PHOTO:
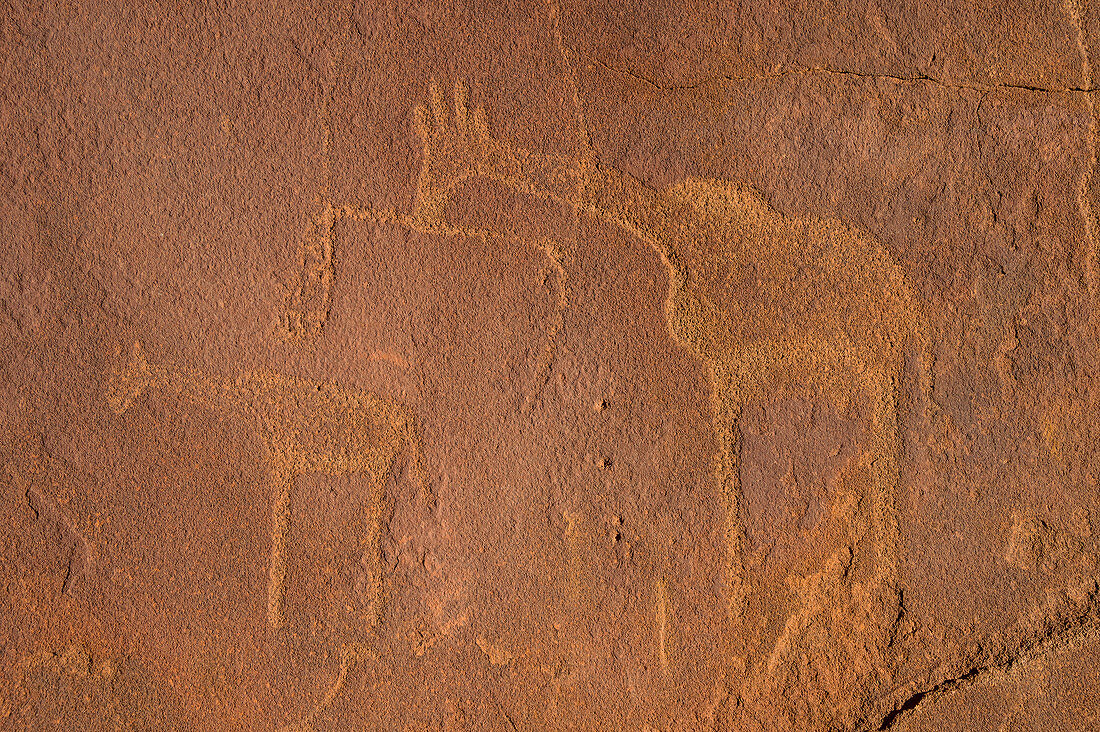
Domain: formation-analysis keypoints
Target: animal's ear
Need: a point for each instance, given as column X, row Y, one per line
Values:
column 126, row 384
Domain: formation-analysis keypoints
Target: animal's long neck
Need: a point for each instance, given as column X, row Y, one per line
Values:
column 552, row 177
column 628, row 202
column 582, row 184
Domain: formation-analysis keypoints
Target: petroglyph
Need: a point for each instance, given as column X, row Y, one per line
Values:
column 79, row 689
column 309, row 303
column 55, row 683
column 497, row 654
column 584, row 142
column 308, row 427
column 820, row 307
column 73, row 661
column 1034, row 545
column 1084, row 186
column 545, row 364
column 457, row 146
column 307, row 307
column 431, row 637
column 310, row 294
column 574, row 540
column 833, row 642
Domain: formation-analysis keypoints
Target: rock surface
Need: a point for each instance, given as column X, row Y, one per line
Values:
column 463, row 366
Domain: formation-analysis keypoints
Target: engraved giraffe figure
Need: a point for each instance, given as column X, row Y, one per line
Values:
column 818, row 305
column 307, row 427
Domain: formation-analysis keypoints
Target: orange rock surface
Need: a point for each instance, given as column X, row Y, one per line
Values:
column 544, row 365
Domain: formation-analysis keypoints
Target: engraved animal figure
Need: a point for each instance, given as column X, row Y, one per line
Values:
column 309, row 297
column 765, row 301
column 308, row 427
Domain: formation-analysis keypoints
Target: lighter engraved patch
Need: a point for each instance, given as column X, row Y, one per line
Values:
column 307, row 427
column 822, row 308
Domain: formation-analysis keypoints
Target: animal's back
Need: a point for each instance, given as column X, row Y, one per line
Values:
column 324, row 428
column 758, row 289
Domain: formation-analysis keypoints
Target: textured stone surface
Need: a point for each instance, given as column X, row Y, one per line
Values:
column 647, row 366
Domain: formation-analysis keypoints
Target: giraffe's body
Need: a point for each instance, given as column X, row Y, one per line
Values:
column 771, row 303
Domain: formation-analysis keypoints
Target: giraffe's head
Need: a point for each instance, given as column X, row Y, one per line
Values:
column 126, row 384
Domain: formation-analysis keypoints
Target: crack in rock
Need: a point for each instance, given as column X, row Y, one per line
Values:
column 810, row 71
column 1043, row 643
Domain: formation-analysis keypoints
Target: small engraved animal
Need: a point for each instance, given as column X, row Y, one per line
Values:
column 308, row 427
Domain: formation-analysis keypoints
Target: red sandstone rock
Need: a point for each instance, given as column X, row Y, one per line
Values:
column 638, row 366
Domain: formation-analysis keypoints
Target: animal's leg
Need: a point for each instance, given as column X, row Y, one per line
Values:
column 885, row 449
column 282, row 479
column 411, row 438
column 927, row 378
column 727, row 418
column 127, row 384
column 370, row 585
column 348, row 653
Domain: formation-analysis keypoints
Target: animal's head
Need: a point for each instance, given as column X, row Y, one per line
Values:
column 126, row 384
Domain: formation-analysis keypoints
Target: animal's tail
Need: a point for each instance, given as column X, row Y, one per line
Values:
column 126, row 384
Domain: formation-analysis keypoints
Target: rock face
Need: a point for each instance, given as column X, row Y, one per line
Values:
column 469, row 366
